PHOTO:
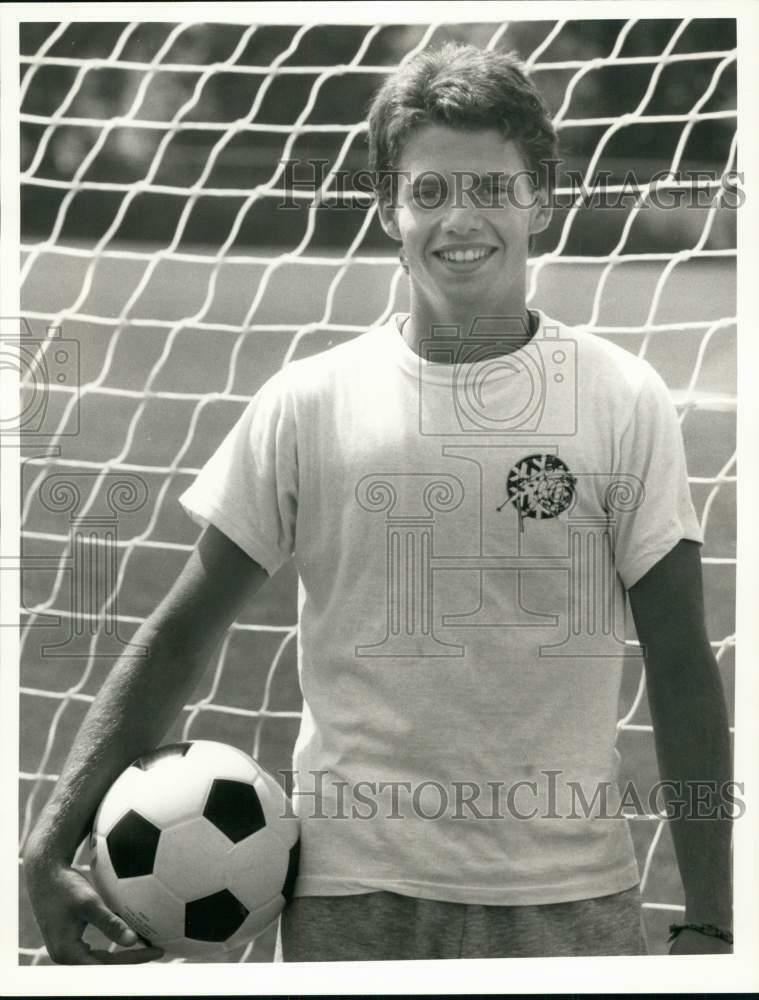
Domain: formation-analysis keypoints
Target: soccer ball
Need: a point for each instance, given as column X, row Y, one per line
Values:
column 195, row 846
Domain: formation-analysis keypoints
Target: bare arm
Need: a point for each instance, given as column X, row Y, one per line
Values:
column 691, row 733
column 137, row 703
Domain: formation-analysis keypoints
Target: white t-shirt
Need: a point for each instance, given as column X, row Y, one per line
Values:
column 462, row 534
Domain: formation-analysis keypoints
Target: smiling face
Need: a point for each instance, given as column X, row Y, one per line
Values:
column 466, row 236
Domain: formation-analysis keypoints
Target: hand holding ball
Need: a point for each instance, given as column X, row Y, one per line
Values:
column 195, row 845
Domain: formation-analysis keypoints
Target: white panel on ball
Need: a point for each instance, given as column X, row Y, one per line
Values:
column 218, row 760
column 256, row 868
column 125, row 790
column 151, row 909
column 158, row 799
column 192, row 858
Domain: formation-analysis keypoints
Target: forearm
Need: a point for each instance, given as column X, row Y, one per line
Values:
column 693, row 749
column 136, row 705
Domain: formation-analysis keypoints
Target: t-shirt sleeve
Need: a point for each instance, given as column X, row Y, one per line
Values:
column 248, row 489
column 657, row 511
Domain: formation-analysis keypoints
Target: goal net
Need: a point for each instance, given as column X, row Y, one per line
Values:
column 189, row 227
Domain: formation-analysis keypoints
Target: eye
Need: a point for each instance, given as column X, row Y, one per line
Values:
column 495, row 188
column 430, row 192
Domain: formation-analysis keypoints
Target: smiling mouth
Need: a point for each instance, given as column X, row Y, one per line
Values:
column 461, row 256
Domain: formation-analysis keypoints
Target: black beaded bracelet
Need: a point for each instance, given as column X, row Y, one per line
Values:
column 708, row 929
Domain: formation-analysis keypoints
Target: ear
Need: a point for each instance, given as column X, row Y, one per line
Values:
column 542, row 212
column 388, row 214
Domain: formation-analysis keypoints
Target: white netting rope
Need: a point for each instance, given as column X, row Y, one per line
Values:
column 107, row 250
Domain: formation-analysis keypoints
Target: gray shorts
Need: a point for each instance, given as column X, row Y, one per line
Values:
column 378, row 926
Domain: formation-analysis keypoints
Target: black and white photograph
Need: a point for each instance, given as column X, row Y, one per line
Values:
column 373, row 383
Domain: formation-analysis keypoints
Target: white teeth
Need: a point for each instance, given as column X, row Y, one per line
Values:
column 464, row 255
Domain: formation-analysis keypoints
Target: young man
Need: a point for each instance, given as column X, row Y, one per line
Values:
column 468, row 492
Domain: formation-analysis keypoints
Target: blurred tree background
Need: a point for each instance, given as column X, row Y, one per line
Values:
column 120, row 81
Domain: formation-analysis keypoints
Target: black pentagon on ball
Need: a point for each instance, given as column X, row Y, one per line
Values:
column 214, row 918
column 132, row 845
column 149, row 760
column 234, row 807
column 292, row 871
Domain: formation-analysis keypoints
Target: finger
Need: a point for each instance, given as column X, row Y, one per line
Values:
column 73, row 953
column 135, row 956
column 114, row 928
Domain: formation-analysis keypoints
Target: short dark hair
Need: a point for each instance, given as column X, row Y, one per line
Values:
column 464, row 87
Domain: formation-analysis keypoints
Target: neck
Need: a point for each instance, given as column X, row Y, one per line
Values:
column 480, row 336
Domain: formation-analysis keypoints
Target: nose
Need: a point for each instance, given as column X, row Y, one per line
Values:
column 461, row 219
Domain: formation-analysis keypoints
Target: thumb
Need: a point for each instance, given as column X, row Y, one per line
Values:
column 127, row 936
column 114, row 928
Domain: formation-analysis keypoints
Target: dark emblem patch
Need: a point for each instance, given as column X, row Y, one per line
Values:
column 540, row 486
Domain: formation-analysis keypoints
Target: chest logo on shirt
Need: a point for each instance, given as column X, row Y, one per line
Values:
column 540, row 486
